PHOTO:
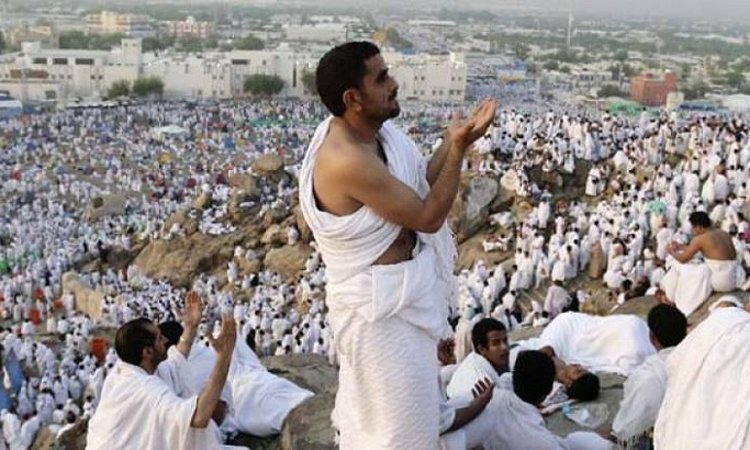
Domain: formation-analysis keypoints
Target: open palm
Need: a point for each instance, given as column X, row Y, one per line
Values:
column 465, row 131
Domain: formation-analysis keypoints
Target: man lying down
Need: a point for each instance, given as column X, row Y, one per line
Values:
column 579, row 344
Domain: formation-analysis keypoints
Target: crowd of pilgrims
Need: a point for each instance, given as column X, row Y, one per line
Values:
column 55, row 165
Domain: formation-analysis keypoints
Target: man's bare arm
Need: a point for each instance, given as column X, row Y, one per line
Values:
column 209, row 395
column 687, row 253
column 438, row 160
column 369, row 182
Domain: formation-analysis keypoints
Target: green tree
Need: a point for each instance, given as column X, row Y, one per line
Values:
column 266, row 85
column 2, row 42
column 120, row 88
column 621, row 55
column 551, row 65
column 735, row 79
column 249, row 42
column 308, row 81
column 521, row 50
column 565, row 69
column 695, row 91
column 150, row 44
column 74, row 39
column 532, row 68
column 191, row 44
column 628, row 70
column 148, row 87
column 611, row 91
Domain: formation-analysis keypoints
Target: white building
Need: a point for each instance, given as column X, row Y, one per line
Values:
column 429, row 77
column 38, row 74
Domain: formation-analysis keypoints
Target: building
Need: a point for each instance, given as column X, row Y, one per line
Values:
column 190, row 27
column 440, row 78
column 651, row 90
column 39, row 74
column 130, row 25
column 319, row 32
column 36, row 74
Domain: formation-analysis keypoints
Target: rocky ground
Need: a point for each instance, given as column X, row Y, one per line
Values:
column 308, row 427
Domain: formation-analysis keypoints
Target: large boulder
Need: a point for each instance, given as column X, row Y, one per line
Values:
column 87, row 300
column 244, row 182
column 274, row 235
column 471, row 209
column 268, row 163
column 179, row 260
column 289, row 260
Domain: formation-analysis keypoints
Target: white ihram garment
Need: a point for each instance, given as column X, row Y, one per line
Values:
column 643, row 393
column 386, row 319
column 139, row 411
column 689, row 285
column 617, row 343
column 705, row 406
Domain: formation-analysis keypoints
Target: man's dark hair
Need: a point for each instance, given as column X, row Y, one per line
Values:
column 482, row 329
column 342, row 68
column 172, row 330
column 668, row 324
column 585, row 389
column 533, row 376
column 132, row 338
column 700, row 219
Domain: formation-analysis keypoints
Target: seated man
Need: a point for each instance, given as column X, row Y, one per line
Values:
column 261, row 400
column 705, row 405
column 617, row 343
column 139, row 411
column 689, row 285
column 645, row 387
column 520, row 425
column 488, row 360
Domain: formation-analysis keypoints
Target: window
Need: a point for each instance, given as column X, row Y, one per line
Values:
column 60, row 61
column 84, row 61
column 40, row 61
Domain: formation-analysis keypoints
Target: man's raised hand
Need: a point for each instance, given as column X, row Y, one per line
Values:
column 224, row 343
column 482, row 391
column 464, row 132
column 192, row 314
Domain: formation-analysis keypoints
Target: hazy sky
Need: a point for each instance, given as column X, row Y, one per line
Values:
column 696, row 8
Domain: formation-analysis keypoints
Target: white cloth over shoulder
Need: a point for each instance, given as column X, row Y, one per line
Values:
column 384, row 318
column 705, row 405
column 520, row 426
column 472, row 369
column 643, row 393
column 139, row 411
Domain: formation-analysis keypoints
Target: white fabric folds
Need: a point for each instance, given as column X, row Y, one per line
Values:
column 385, row 319
column 139, row 411
column 706, row 401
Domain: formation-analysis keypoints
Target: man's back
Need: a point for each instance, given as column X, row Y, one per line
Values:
column 717, row 244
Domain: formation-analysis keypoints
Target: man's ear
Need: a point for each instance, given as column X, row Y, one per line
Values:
column 147, row 353
column 352, row 99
